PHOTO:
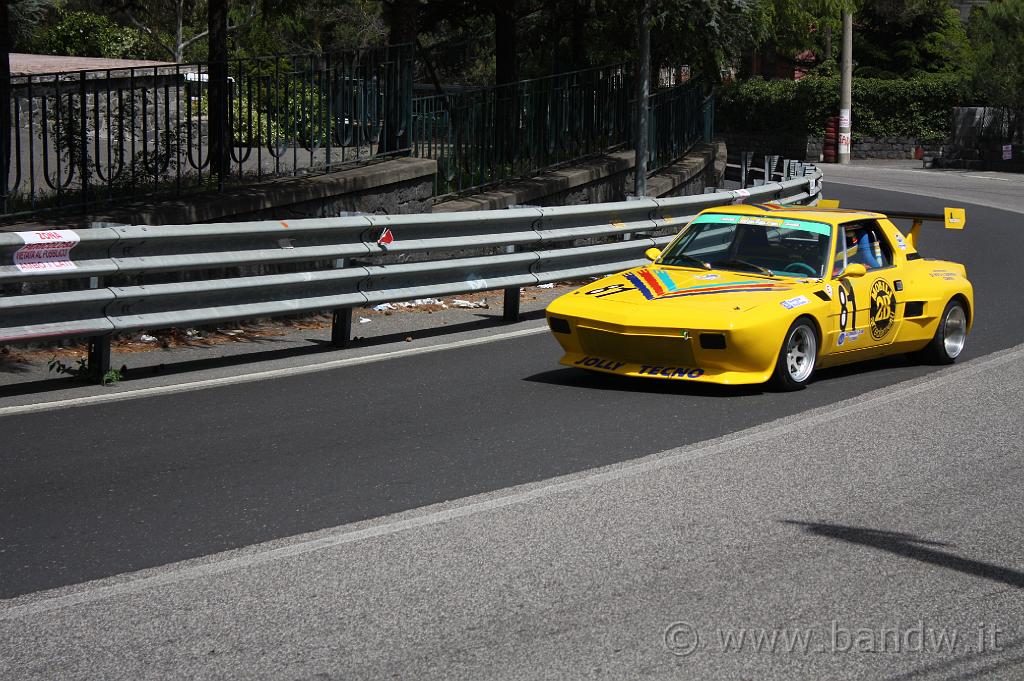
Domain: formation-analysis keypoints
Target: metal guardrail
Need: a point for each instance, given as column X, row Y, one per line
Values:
column 547, row 244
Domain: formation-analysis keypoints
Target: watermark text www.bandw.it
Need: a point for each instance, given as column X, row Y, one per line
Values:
column 684, row 639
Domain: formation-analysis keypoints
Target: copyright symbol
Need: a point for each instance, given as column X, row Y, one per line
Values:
column 681, row 639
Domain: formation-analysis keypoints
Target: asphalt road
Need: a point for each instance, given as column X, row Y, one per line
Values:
column 96, row 491
column 878, row 538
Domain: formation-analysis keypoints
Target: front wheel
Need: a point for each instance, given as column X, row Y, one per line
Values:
column 950, row 337
column 797, row 357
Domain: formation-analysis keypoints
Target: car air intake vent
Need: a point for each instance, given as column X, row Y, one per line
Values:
column 712, row 341
column 914, row 309
column 558, row 325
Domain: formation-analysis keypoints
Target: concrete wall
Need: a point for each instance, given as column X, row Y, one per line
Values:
column 786, row 146
column 807, row 148
column 608, row 178
column 403, row 185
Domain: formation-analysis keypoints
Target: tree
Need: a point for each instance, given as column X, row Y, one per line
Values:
column 904, row 39
column 175, row 26
column 23, row 17
column 997, row 36
column 402, row 18
column 219, row 94
column 5, row 103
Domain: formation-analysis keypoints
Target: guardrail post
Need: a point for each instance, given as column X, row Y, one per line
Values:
column 341, row 319
column 510, row 304
column 98, row 347
column 99, row 356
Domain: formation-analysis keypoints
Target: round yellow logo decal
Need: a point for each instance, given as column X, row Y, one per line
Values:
column 883, row 309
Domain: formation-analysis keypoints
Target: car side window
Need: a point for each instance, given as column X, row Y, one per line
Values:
column 865, row 243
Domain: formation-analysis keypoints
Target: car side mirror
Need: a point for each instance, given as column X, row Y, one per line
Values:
column 852, row 271
column 653, row 254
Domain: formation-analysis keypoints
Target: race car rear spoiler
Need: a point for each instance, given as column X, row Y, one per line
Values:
column 952, row 218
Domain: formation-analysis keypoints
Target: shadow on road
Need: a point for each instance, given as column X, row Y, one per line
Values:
column 916, row 548
column 989, row 664
column 579, row 378
column 592, row 380
column 316, row 346
column 483, row 321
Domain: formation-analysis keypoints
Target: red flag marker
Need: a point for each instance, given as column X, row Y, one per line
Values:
column 386, row 237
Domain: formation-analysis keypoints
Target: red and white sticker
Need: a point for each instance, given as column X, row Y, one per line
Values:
column 46, row 250
column 844, row 143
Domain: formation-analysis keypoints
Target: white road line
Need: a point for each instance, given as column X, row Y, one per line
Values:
column 840, row 178
column 997, row 179
column 262, row 375
column 34, row 604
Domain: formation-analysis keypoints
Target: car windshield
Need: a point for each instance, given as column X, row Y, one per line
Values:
column 760, row 245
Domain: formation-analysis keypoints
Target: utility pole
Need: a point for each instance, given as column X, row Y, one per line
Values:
column 643, row 90
column 218, row 93
column 846, row 89
column 5, row 105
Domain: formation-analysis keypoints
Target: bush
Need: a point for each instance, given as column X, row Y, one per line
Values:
column 84, row 34
column 918, row 107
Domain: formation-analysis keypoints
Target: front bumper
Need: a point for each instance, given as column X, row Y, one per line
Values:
column 670, row 373
column 667, row 353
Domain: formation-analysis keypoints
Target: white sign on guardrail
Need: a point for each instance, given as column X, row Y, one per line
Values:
column 46, row 250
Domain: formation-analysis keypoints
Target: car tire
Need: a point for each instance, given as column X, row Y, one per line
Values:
column 797, row 357
column 950, row 337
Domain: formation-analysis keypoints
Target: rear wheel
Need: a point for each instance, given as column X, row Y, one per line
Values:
column 950, row 337
column 797, row 357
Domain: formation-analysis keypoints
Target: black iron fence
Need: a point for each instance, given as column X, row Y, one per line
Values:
column 676, row 121
column 500, row 133
column 85, row 138
column 509, row 131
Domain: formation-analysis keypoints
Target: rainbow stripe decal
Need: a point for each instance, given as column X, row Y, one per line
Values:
column 659, row 285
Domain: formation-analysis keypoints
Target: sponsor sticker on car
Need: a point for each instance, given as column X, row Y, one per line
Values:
column 848, row 337
column 792, row 303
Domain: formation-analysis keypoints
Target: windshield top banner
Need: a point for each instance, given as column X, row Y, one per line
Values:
column 782, row 223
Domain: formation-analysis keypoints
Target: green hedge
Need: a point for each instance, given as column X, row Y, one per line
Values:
column 918, row 107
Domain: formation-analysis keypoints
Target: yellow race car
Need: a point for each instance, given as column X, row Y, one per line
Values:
column 756, row 293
